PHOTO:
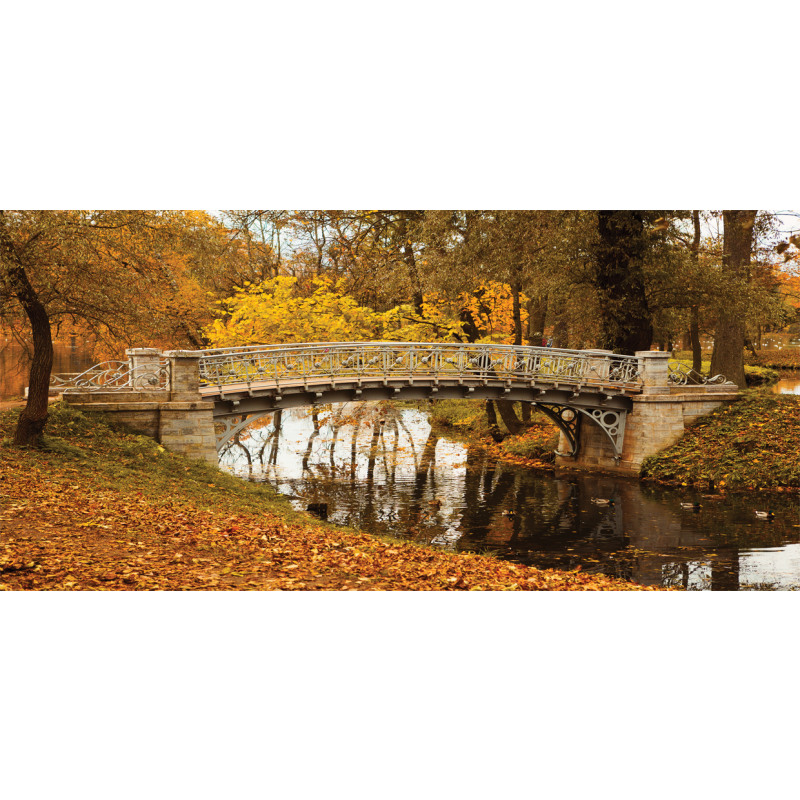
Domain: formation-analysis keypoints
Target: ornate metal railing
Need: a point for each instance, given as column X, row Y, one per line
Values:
column 117, row 376
column 681, row 375
column 298, row 363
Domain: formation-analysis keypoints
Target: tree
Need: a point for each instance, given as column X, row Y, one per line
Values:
column 128, row 276
column 728, row 355
column 275, row 311
column 626, row 319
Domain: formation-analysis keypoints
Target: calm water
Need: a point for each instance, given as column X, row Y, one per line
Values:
column 72, row 356
column 787, row 386
column 384, row 470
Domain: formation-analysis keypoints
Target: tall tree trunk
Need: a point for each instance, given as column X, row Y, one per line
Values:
column 728, row 356
column 517, row 311
column 694, row 325
column 509, row 416
column 411, row 263
column 626, row 321
column 561, row 333
column 694, row 338
column 537, row 316
column 515, row 292
column 34, row 416
column 491, row 418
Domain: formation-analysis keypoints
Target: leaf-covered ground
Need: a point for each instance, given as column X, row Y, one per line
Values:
column 786, row 359
column 101, row 508
column 753, row 443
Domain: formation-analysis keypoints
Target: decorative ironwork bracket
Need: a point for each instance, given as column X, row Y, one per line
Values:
column 612, row 423
column 568, row 419
column 235, row 424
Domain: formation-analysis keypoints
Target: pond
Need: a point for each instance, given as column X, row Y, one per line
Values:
column 73, row 355
column 787, row 386
column 384, row 470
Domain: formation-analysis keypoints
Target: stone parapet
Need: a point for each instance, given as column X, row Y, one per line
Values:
column 76, row 396
column 184, row 374
column 654, row 368
column 179, row 418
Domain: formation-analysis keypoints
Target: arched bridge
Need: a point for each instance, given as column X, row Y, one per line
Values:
column 567, row 385
column 194, row 400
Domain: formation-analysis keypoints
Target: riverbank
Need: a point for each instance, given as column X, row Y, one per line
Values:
column 103, row 508
column 751, row 444
column 787, row 359
column 534, row 446
column 756, row 373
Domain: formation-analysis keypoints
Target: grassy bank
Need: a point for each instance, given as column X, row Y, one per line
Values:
column 787, row 359
column 102, row 508
column 753, row 443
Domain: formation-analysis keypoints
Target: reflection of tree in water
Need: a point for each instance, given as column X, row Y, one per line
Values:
column 235, row 442
column 314, row 434
column 376, row 501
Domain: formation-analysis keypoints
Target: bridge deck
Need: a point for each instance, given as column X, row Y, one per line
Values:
column 252, row 388
column 259, row 397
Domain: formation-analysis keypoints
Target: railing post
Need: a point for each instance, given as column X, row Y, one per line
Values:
column 143, row 362
column 654, row 368
column 184, row 374
column 598, row 364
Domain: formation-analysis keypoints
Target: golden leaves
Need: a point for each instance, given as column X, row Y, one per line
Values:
column 78, row 529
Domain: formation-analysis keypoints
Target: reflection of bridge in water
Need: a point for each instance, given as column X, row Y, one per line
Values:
column 612, row 410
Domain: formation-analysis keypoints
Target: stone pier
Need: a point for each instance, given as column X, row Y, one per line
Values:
column 175, row 416
column 658, row 419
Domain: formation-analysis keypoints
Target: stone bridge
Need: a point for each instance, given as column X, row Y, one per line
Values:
column 613, row 411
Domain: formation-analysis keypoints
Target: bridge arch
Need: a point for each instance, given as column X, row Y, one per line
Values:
column 568, row 385
column 177, row 396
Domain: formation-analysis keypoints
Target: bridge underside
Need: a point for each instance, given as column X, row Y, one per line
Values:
column 567, row 405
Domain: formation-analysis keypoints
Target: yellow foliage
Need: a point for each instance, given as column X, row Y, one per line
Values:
column 275, row 311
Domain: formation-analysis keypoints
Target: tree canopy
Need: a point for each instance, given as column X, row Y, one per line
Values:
column 623, row 280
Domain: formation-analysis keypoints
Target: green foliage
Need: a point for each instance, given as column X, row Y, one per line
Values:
column 752, row 443
column 760, row 376
column 466, row 415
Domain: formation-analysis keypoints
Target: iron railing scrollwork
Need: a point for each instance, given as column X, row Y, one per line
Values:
column 681, row 375
column 117, row 376
column 299, row 363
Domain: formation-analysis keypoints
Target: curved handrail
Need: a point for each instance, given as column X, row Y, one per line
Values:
column 682, row 375
column 116, row 376
column 290, row 363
